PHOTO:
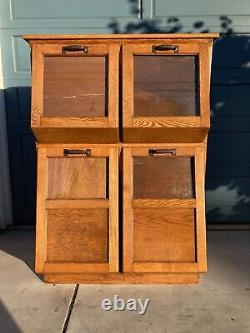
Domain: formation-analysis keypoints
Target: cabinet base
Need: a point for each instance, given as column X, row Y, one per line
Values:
column 123, row 278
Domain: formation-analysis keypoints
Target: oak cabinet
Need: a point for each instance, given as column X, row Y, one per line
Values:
column 121, row 123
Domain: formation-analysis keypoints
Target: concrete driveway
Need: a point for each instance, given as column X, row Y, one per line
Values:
column 220, row 303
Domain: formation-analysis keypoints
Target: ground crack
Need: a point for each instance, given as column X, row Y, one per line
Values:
column 70, row 309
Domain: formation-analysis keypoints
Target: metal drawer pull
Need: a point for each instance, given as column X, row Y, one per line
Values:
column 165, row 47
column 86, row 152
column 153, row 152
column 75, row 48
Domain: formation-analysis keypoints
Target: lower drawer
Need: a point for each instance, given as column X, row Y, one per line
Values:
column 77, row 209
column 164, row 209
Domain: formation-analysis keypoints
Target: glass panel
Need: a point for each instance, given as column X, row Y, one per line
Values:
column 164, row 235
column 163, row 177
column 165, row 86
column 75, row 86
column 77, row 178
column 77, row 235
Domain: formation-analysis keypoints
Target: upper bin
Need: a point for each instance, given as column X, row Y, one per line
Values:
column 162, row 90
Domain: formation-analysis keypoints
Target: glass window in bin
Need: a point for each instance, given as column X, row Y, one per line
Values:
column 165, row 86
column 75, row 86
column 164, row 178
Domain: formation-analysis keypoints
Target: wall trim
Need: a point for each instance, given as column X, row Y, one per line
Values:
column 5, row 187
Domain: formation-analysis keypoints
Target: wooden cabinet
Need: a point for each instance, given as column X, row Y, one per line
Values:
column 121, row 123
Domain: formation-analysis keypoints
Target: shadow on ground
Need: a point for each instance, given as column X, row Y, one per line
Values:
column 19, row 244
column 10, row 325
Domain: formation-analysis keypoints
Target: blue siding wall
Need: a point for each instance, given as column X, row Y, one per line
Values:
column 228, row 167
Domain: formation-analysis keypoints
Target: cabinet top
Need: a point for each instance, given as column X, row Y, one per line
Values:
column 122, row 36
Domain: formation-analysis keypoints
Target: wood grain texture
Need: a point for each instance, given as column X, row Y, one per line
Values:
column 117, row 36
column 37, row 86
column 105, row 147
column 127, row 86
column 41, row 233
column 84, row 203
column 123, row 278
column 93, row 122
column 166, row 267
column 114, row 210
column 155, row 122
column 113, row 85
column 164, row 203
column 75, row 135
column 76, row 178
column 200, row 166
column 64, row 268
column 128, row 235
column 164, row 235
column 163, row 135
column 204, row 78
column 77, row 235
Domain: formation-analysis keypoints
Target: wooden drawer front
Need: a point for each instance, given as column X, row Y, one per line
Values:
column 77, row 209
column 77, row 235
column 166, row 89
column 77, row 178
column 75, row 88
column 164, row 224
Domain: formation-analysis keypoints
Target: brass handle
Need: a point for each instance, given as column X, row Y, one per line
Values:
column 85, row 152
column 75, row 48
column 153, row 152
column 165, row 47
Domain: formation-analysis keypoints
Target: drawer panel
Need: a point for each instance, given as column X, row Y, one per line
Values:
column 77, row 209
column 167, row 91
column 75, row 92
column 166, row 86
column 75, row 86
column 77, row 235
column 163, row 209
column 77, row 177
column 164, row 235
column 163, row 177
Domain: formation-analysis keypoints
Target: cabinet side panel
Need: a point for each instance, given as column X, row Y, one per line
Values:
column 41, row 230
